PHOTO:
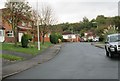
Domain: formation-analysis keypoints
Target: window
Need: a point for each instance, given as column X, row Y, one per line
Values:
column 69, row 36
column 45, row 35
column 29, row 24
column 10, row 20
column 115, row 38
column 10, row 33
column 1, row 33
column 48, row 34
column 23, row 23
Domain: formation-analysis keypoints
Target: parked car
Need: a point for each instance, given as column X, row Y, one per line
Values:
column 112, row 45
column 96, row 39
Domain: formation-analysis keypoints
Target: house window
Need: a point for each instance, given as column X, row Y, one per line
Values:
column 29, row 24
column 45, row 35
column 10, row 33
column 23, row 23
column 1, row 33
column 69, row 36
column 48, row 34
column 10, row 20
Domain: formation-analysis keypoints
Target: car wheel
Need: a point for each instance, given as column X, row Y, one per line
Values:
column 107, row 53
column 110, row 54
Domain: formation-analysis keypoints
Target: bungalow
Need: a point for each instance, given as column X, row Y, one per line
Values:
column 70, row 37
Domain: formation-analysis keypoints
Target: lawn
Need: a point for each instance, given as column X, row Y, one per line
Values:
column 30, row 50
column 11, row 57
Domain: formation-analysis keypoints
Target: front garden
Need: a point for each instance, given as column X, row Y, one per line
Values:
column 31, row 49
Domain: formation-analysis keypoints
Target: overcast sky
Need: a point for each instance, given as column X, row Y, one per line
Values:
column 75, row 10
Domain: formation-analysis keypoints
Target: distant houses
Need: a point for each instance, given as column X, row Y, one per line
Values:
column 90, row 36
column 70, row 37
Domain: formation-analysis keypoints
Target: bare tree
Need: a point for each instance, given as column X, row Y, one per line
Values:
column 46, row 20
column 16, row 9
column 35, row 19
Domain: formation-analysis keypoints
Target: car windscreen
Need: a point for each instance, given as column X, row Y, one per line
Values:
column 115, row 38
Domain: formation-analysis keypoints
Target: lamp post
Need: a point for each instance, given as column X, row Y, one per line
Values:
column 38, row 28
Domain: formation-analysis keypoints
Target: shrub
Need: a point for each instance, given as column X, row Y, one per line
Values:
column 60, row 37
column 25, row 41
column 55, row 38
column 102, row 38
column 29, row 37
column 89, row 40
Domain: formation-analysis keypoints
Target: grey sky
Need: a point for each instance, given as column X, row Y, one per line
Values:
column 75, row 10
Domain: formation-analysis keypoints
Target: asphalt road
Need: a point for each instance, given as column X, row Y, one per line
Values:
column 74, row 61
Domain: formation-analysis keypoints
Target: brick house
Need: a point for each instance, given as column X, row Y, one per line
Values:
column 24, row 25
column 46, row 39
column 6, row 31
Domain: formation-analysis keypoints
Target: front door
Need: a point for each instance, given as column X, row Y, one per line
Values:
column 2, row 35
column 20, row 36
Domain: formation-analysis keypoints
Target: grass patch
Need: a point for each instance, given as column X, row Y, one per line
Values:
column 30, row 50
column 10, row 57
column 0, row 46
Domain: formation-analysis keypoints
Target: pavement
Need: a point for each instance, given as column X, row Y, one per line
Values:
column 99, row 45
column 45, row 56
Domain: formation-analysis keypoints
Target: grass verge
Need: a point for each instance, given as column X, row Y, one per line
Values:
column 30, row 50
column 10, row 57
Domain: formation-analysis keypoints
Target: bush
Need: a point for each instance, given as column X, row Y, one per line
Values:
column 60, row 37
column 55, row 38
column 25, row 40
column 29, row 37
column 102, row 38
column 89, row 40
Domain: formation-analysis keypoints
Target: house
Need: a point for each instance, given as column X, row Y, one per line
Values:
column 24, row 25
column 70, row 37
column 46, row 38
column 90, row 36
column 7, row 33
column 2, row 33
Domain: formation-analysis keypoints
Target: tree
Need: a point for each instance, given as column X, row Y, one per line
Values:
column 85, row 19
column 36, row 18
column 46, row 20
column 16, row 9
column 116, row 22
column 85, row 23
column 101, row 20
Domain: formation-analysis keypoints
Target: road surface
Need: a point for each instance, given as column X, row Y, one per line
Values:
column 74, row 61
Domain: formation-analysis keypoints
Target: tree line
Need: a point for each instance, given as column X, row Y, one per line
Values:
column 97, row 25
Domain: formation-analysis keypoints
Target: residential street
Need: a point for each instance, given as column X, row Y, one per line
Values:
column 75, row 61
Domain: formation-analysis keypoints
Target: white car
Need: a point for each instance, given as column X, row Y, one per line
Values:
column 112, row 45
